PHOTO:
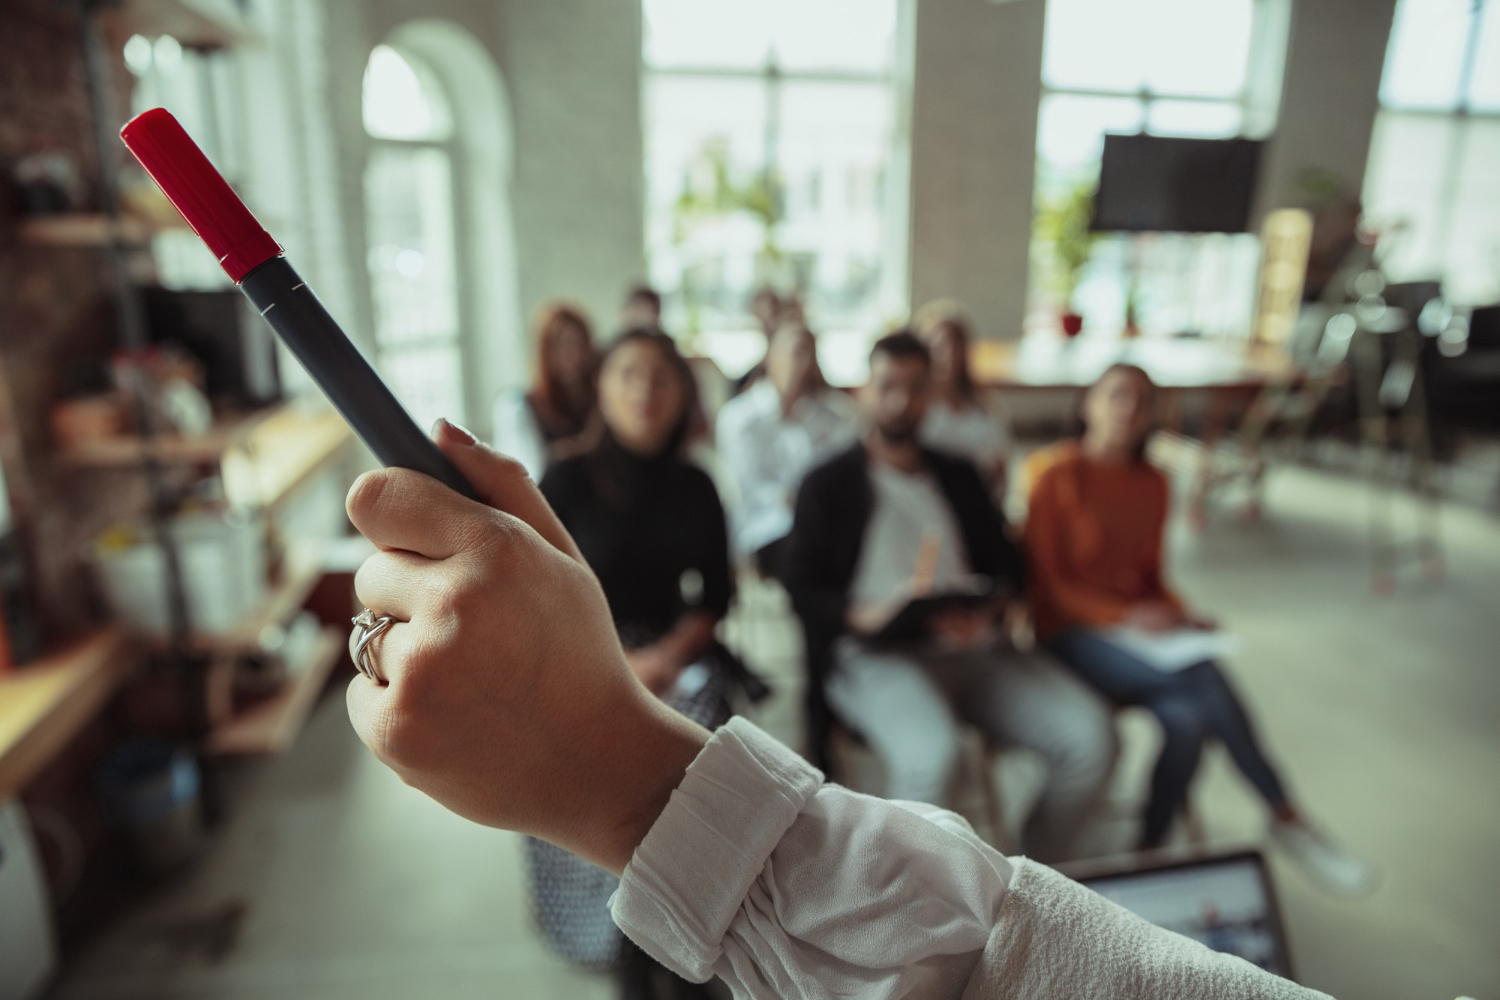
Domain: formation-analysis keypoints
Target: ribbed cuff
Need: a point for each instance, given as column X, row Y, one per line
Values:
column 683, row 887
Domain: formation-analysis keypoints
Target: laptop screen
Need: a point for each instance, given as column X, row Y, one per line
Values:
column 1226, row 903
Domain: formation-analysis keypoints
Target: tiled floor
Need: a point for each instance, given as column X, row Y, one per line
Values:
column 334, row 880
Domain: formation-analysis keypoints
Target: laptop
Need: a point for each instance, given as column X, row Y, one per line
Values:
column 1223, row 900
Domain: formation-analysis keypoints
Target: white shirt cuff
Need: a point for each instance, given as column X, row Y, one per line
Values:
column 690, row 875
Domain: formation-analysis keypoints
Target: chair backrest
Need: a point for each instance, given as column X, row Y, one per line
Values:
column 1484, row 328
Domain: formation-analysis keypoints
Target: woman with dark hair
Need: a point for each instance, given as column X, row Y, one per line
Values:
column 554, row 417
column 651, row 527
column 1094, row 535
column 959, row 421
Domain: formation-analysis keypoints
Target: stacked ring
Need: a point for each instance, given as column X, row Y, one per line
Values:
column 370, row 625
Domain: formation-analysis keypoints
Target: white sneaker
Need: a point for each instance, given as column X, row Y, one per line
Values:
column 1331, row 866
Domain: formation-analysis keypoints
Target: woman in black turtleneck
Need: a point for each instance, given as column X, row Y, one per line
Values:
column 651, row 527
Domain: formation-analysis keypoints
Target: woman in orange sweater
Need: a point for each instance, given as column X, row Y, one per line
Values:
column 1094, row 538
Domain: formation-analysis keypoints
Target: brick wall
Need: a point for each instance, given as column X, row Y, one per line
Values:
column 56, row 313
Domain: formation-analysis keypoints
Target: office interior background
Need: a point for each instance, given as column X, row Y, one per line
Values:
column 439, row 170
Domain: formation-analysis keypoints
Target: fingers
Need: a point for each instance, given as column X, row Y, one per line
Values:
column 402, row 509
column 502, row 483
column 398, row 584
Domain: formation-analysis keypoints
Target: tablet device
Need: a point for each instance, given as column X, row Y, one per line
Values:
column 1224, row 900
column 910, row 623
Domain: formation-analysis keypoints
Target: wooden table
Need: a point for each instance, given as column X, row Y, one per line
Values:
column 1049, row 362
column 43, row 705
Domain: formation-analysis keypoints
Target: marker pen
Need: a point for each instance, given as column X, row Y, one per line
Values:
column 256, row 262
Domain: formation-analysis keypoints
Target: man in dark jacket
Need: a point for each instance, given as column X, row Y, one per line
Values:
column 888, row 520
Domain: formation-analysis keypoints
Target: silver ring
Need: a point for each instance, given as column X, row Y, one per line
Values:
column 370, row 625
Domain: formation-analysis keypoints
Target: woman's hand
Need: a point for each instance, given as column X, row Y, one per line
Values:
column 658, row 665
column 962, row 629
column 508, row 698
column 1155, row 616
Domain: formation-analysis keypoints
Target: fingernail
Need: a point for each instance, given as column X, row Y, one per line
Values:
column 452, row 432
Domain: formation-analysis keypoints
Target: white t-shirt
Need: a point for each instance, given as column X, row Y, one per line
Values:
column 975, row 433
column 910, row 511
column 765, row 453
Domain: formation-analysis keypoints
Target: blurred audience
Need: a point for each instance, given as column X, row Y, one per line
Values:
column 885, row 521
column 650, row 526
column 770, row 310
column 641, row 308
column 770, row 435
column 958, row 420
column 554, row 417
column 1094, row 534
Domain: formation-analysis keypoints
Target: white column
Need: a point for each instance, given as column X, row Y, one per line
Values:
column 976, row 84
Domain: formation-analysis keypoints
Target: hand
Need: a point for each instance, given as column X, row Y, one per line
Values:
column 1155, row 616
column 508, row 698
column 870, row 618
column 962, row 628
column 654, row 667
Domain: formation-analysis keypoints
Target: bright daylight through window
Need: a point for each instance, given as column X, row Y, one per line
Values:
column 1431, row 189
column 1165, row 67
column 771, row 127
column 409, row 220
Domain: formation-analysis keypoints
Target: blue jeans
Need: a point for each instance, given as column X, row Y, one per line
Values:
column 1191, row 705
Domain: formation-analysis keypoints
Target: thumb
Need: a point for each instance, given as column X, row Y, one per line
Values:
column 502, row 483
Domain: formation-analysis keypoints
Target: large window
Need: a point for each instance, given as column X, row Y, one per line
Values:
column 1433, row 185
column 1198, row 68
column 409, row 224
column 770, row 132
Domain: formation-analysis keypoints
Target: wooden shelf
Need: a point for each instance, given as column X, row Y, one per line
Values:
column 85, row 229
column 44, row 704
column 126, row 451
column 271, row 725
column 197, row 24
column 299, row 576
column 281, row 453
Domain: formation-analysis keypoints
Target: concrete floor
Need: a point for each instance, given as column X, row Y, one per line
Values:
column 333, row 880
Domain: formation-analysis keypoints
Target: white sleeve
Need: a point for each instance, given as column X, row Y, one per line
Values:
column 516, row 433
column 783, row 886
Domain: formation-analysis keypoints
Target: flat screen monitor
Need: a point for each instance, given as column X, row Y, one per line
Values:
column 1156, row 184
column 1226, row 902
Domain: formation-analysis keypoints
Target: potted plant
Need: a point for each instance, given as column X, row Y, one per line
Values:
column 1063, row 223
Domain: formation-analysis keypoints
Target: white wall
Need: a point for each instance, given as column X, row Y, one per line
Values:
column 574, row 70
column 977, row 82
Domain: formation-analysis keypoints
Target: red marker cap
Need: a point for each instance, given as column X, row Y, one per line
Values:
column 199, row 192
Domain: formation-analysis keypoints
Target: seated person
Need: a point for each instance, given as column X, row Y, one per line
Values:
column 641, row 308
column 770, row 310
column 958, row 421
column 771, row 434
column 864, row 521
column 650, row 526
column 1094, row 535
column 554, row 416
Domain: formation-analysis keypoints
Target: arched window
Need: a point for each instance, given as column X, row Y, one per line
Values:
column 410, row 234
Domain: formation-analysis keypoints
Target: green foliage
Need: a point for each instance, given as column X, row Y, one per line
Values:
column 1062, row 223
column 709, row 191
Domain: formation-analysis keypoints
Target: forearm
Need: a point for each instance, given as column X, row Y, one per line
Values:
column 782, row 886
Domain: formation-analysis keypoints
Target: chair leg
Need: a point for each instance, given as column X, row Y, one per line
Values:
column 1192, row 821
column 994, row 813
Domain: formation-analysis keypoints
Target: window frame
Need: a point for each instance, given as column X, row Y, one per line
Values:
column 770, row 77
column 453, row 153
